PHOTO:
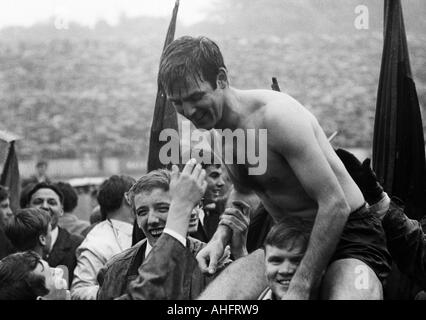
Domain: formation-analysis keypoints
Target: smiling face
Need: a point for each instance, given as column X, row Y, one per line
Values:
column 197, row 101
column 281, row 265
column 152, row 209
column 215, row 184
column 48, row 200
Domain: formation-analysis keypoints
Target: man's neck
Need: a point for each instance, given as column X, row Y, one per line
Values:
column 232, row 113
column 120, row 215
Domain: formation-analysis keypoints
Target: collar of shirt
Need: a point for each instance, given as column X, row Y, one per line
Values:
column 123, row 232
column 201, row 215
column 148, row 248
column 170, row 232
column 54, row 236
column 267, row 295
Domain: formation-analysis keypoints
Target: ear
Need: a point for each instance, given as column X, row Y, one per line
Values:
column 61, row 213
column 42, row 240
column 222, row 80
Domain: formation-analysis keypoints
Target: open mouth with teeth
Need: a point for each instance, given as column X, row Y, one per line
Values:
column 284, row 282
column 156, row 233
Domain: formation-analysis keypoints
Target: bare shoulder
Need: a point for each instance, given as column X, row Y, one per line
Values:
column 288, row 122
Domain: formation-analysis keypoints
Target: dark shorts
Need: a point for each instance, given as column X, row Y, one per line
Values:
column 363, row 238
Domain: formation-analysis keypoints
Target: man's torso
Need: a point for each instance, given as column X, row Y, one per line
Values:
column 279, row 188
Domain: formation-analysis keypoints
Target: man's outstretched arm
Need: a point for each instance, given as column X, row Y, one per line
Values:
column 208, row 258
column 292, row 134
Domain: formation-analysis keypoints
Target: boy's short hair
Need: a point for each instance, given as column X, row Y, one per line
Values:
column 111, row 193
column 26, row 226
column 199, row 58
column 156, row 179
column 288, row 232
column 17, row 279
column 70, row 196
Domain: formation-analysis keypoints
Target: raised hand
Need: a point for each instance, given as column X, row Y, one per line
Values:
column 189, row 185
column 186, row 190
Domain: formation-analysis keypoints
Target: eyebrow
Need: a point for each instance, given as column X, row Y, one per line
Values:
column 161, row 204
column 41, row 198
column 155, row 205
column 190, row 97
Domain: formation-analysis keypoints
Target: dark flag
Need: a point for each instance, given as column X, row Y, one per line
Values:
column 10, row 176
column 398, row 145
column 165, row 117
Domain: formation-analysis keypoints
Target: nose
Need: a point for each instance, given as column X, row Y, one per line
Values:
column 286, row 267
column 220, row 182
column 153, row 218
column 45, row 205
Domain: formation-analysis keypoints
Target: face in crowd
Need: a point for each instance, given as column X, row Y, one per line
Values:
column 281, row 265
column 197, row 101
column 5, row 212
column 152, row 208
column 48, row 200
column 215, row 184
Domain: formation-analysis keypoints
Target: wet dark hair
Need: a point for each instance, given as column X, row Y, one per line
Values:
column 18, row 282
column 199, row 58
column 70, row 196
column 288, row 232
column 111, row 193
column 26, row 226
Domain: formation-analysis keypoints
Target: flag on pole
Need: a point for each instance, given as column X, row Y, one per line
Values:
column 165, row 116
column 398, row 144
column 10, row 176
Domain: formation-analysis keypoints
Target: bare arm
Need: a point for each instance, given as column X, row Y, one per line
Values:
column 210, row 255
column 223, row 233
column 292, row 134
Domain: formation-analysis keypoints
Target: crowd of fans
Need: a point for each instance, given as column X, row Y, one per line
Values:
column 47, row 253
column 92, row 95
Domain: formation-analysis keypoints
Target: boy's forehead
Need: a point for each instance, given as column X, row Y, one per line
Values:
column 156, row 195
column 291, row 249
column 213, row 168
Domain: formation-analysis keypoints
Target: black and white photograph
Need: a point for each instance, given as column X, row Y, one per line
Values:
column 225, row 151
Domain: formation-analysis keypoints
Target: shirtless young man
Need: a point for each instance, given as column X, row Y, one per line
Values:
column 304, row 177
